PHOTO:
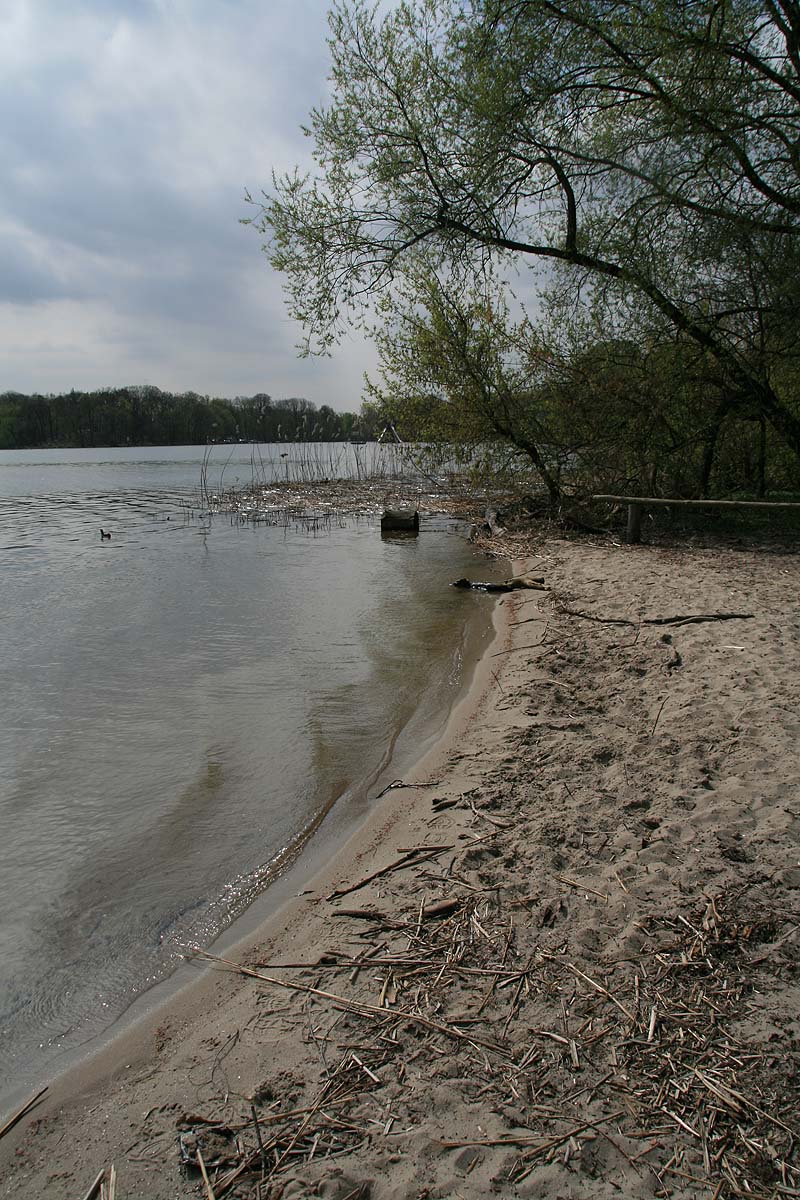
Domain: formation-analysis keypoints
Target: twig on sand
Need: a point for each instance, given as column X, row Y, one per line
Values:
column 529, row 1155
column 598, row 987
column 514, row 649
column 582, row 887
column 658, row 715
column 209, row 1190
column 410, row 858
column 691, row 619
column 698, row 618
column 22, row 1111
column 95, row 1188
column 398, row 783
column 574, row 612
column 257, row 1128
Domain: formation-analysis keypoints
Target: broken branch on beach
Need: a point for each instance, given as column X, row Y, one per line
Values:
column 692, row 619
column 22, row 1111
column 410, row 858
column 698, row 618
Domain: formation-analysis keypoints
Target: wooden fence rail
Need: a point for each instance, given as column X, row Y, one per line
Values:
column 637, row 504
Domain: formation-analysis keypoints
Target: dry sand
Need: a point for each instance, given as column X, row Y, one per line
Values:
column 584, row 987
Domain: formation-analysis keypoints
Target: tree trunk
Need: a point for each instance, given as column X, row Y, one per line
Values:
column 785, row 423
column 534, row 454
column 712, row 437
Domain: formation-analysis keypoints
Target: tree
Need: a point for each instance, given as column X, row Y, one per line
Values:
column 602, row 414
column 456, row 368
column 645, row 151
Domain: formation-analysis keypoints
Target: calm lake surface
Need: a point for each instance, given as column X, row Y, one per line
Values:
column 178, row 705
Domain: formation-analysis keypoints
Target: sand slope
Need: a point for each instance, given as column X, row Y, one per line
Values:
column 580, row 980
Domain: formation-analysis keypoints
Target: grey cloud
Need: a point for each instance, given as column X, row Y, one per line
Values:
column 129, row 130
column 23, row 279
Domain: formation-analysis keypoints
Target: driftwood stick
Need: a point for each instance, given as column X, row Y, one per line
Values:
column 698, row 618
column 492, row 820
column 346, row 961
column 598, row 987
column 438, row 847
column 574, row 612
column 408, row 859
column 691, row 619
column 658, row 715
column 209, row 1190
column 398, row 783
column 95, row 1188
column 532, row 1139
column 565, row 1137
column 516, row 649
column 22, row 1111
column 359, row 914
column 582, row 887
column 441, row 908
column 257, row 1128
column 667, row 502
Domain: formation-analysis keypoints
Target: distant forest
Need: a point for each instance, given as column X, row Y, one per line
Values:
column 147, row 416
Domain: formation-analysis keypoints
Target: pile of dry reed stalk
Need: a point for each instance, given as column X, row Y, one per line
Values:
column 647, row 1060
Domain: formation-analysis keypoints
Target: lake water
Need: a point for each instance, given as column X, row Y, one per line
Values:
column 181, row 704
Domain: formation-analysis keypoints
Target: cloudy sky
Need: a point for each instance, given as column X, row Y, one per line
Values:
column 129, row 131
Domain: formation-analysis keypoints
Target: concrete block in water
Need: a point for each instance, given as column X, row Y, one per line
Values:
column 400, row 520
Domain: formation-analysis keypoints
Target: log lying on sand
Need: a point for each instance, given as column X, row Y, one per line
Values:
column 400, row 520
column 507, row 585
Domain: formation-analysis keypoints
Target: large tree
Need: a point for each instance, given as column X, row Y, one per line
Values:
column 646, row 151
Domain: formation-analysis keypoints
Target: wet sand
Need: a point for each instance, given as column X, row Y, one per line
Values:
column 579, row 976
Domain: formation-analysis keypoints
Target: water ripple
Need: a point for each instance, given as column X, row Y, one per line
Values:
column 180, row 704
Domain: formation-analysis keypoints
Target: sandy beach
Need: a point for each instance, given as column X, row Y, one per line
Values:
column 558, row 961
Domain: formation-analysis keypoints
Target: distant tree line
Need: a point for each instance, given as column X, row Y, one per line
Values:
column 148, row 416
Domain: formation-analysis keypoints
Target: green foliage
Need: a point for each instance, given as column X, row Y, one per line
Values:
column 643, row 152
column 456, row 369
column 605, row 415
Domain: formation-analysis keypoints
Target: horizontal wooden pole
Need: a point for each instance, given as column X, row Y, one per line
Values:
column 661, row 502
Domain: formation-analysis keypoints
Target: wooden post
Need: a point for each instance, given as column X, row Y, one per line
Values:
column 634, row 534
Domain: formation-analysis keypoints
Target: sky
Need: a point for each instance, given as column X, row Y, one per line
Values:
column 129, row 133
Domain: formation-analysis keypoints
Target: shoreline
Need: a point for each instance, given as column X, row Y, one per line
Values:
column 182, row 999
column 339, row 782
column 295, row 867
column 582, row 981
